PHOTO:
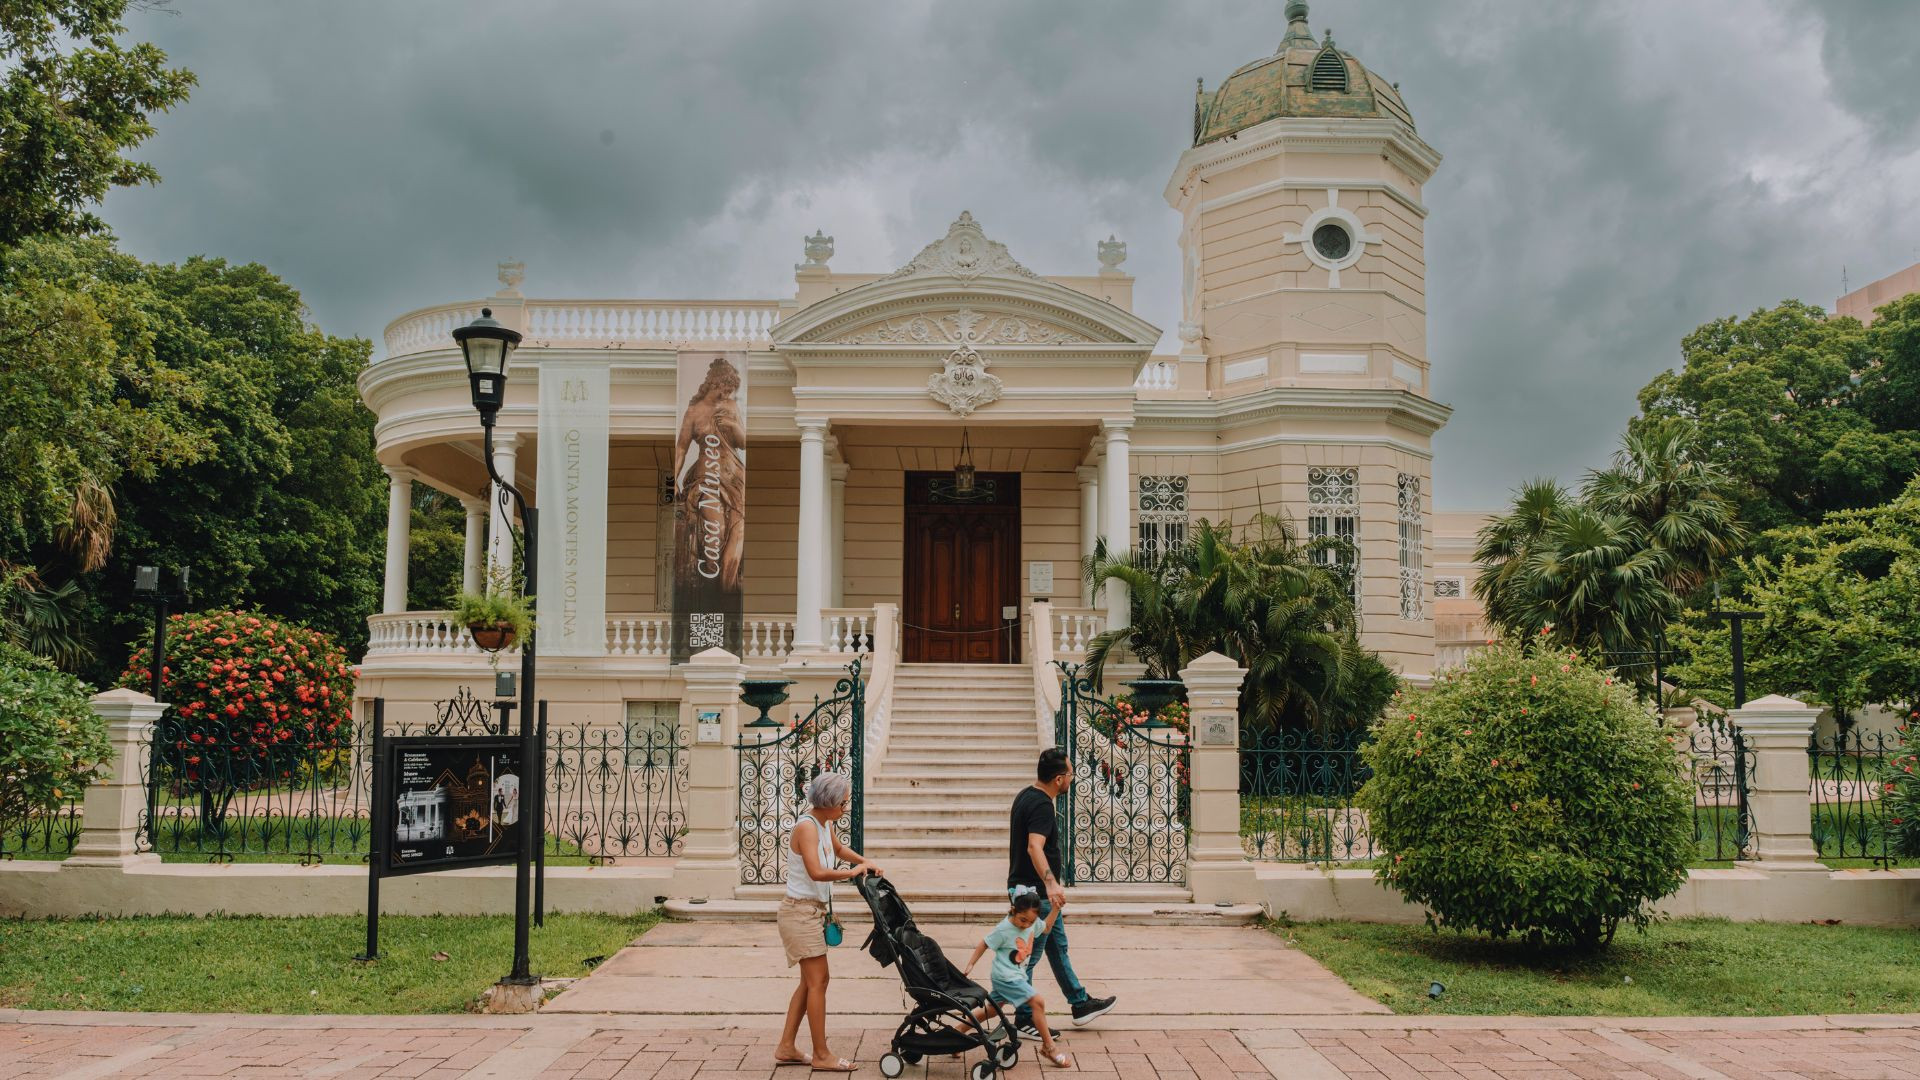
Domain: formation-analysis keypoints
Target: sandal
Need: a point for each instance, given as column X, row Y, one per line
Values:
column 839, row 1066
column 1058, row 1059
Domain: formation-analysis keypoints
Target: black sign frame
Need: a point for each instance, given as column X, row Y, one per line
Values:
column 506, row 746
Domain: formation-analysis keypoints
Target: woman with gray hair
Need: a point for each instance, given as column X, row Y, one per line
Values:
column 812, row 856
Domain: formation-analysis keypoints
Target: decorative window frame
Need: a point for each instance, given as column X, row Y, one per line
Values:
column 1162, row 520
column 1412, row 544
column 1333, row 509
column 1356, row 229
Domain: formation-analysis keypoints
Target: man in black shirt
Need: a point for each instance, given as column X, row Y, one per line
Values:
column 1034, row 865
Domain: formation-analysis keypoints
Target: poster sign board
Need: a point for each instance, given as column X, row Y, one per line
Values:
column 451, row 802
column 710, row 503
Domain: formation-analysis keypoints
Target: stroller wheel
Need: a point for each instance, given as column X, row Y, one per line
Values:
column 983, row 1070
column 1007, row 1055
column 891, row 1066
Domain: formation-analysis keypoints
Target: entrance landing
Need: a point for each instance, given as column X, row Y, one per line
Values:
column 1165, row 976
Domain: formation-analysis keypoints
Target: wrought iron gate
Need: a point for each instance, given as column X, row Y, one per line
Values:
column 1124, row 819
column 776, row 765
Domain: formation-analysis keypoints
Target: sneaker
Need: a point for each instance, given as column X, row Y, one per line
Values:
column 1090, row 1010
column 1031, row 1030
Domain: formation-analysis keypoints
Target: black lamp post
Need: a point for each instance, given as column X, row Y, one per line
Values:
column 146, row 582
column 487, row 347
column 1737, row 619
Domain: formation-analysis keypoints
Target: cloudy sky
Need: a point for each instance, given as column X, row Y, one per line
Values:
column 1616, row 172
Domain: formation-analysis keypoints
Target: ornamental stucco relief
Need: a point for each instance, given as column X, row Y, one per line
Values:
column 964, row 327
column 963, row 383
column 964, row 253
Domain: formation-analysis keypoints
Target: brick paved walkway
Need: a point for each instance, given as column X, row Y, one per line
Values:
column 90, row 1046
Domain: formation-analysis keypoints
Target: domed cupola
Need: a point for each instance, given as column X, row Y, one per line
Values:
column 1303, row 78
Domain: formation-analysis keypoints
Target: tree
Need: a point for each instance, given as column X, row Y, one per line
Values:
column 51, row 742
column 72, row 101
column 1263, row 601
column 1806, row 410
column 1684, row 501
column 437, row 551
column 1839, row 614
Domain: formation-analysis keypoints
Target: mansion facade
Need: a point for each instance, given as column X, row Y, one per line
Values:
column 1299, row 387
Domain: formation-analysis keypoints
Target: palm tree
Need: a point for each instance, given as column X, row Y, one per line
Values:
column 1507, row 545
column 1684, row 501
column 1263, row 601
column 43, row 620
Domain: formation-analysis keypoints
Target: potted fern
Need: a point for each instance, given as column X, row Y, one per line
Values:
column 497, row 616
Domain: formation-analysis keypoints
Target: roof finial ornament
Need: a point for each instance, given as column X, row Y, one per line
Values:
column 1298, row 36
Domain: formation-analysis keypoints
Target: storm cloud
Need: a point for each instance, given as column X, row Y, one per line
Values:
column 1615, row 174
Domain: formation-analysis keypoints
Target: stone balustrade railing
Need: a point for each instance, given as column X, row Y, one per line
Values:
column 646, row 636
column 604, row 324
column 1072, row 628
column 1158, row 375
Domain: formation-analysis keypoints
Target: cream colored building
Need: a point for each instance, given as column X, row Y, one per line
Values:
column 1861, row 302
column 1299, row 386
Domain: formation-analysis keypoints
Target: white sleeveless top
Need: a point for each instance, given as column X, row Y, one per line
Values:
column 799, row 885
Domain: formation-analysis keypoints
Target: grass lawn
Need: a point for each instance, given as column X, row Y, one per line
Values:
column 1686, row 967
column 306, row 965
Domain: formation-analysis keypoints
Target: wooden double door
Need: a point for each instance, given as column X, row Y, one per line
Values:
column 962, row 570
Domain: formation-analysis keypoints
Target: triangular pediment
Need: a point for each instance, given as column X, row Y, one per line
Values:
column 964, row 253
column 962, row 326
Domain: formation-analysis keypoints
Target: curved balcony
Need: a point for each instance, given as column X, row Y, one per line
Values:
column 601, row 324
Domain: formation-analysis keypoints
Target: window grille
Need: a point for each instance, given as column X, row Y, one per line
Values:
column 1333, row 510
column 1412, row 573
column 1163, row 515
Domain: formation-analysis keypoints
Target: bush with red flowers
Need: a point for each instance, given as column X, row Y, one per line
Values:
column 1902, row 790
column 257, row 702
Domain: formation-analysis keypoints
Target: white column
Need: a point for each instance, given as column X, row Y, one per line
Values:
column 837, row 535
column 473, row 564
column 1116, row 488
column 810, row 567
column 1089, row 509
column 399, row 538
column 110, row 812
column 506, row 449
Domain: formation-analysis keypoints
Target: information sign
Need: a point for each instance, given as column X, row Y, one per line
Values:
column 451, row 801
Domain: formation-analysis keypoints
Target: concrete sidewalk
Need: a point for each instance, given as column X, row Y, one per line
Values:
column 94, row 1046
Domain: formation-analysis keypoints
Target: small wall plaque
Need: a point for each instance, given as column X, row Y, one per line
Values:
column 1040, row 579
column 707, row 727
column 1219, row 731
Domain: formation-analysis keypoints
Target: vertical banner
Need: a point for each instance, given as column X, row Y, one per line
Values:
column 710, row 503
column 571, row 594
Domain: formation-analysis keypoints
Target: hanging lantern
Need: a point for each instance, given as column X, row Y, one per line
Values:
column 963, row 473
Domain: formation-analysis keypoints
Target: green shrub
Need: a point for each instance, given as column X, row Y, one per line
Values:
column 51, row 743
column 1527, row 794
column 1902, row 791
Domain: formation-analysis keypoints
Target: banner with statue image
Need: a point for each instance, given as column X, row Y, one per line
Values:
column 709, row 503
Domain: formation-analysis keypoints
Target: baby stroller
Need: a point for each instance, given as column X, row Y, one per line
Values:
column 944, row 1000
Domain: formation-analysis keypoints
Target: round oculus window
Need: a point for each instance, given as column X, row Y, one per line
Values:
column 1332, row 241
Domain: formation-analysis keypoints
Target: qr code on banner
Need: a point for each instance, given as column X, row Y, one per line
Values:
column 706, row 630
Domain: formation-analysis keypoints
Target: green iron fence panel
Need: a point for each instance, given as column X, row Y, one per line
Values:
column 777, row 764
column 1715, row 758
column 1125, row 818
column 226, row 794
column 1849, row 773
column 1296, row 796
column 42, row 835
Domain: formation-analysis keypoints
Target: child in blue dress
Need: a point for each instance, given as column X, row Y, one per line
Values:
column 1012, row 943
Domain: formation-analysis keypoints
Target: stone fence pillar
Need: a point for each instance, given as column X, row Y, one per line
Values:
column 110, row 816
column 1217, row 866
column 709, row 865
column 1776, row 730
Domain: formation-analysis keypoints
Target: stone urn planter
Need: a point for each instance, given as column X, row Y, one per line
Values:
column 1152, row 695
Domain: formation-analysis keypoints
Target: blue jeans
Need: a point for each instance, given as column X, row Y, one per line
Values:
column 1054, row 944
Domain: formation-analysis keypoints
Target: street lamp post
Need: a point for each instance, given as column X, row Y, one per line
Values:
column 487, row 346
column 146, row 582
column 1736, row 620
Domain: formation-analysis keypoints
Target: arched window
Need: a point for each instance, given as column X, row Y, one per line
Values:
column 1329, row 72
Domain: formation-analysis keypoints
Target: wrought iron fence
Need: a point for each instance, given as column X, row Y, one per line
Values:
column 1125, row 817
column 1715, row 758
column 776, row 765
column 225, row 795
column 1850, row 773
column 38, row 835
column 1296, row 796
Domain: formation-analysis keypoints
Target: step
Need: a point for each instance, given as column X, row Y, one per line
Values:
column 922, row 764
column 992, row 891
column 969, row 815
column 974, row 845
column 921, row 777
column 903, row 749
column 892, row 787
column 934, row 912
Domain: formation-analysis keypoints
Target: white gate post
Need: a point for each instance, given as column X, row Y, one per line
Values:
column 1217, row 866
column 1776, row 730
column 110, row 816
column 709, row 864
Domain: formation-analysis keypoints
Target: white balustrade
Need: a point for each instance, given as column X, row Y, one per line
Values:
column 1158, row 375
column 431, row 328
column 639, row 635
column 614, row 324
column 766, row 637
column 1074, row 628
column 849, row 630
column 429, row 632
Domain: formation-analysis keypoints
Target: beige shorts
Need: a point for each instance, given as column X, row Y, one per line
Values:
column 803, row 929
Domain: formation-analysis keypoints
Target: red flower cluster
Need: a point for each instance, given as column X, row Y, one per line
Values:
column 253, row 691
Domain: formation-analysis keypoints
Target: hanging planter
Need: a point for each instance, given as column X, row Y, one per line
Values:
column 496, row 618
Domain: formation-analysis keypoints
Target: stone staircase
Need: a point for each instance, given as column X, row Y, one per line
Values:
column 962, row 741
